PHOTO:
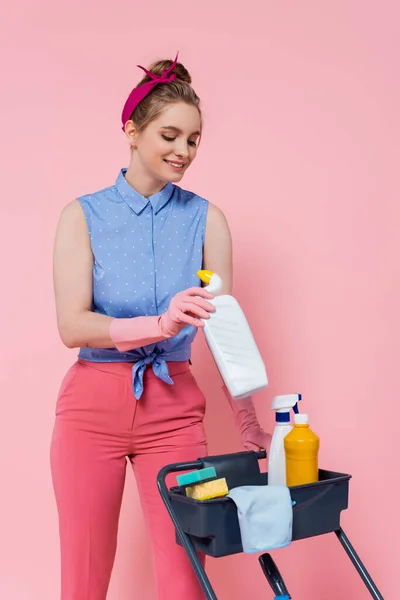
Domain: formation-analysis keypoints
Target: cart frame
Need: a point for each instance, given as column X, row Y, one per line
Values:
column 192, row 553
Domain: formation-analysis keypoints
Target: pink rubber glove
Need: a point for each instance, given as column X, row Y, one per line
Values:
column 188, row 307
column 252, row 435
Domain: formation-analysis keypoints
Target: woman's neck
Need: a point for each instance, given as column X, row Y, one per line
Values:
column 142, row 182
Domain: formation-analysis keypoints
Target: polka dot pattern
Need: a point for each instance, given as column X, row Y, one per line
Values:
column 145, row 251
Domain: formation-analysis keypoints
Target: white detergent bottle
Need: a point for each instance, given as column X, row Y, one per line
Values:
column 231, row 342
column 277, row 461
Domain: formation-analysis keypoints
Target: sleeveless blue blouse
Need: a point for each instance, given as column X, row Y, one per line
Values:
column 145, row 250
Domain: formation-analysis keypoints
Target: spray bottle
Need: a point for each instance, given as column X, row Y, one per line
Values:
column 277, row 459
column 231, row 342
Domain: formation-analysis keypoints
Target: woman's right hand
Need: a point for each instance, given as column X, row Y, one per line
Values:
column 188, row 307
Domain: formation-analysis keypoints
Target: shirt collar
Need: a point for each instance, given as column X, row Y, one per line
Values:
column 138, row 202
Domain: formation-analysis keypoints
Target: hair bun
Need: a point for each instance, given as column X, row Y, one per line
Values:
column 182, row 74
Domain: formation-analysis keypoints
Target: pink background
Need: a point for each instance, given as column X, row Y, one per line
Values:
column 301, row 151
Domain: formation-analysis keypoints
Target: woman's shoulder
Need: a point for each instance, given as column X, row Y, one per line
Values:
column 216, row 219
column 214, row 213
column 189, row 199
column 84, row 205
column 72, row 211
column 186, row 195
column 99, row 197
column 71, row 219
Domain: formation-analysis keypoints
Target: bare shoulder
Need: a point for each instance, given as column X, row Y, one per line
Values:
column 217, row 222
column 72, row 234
column 72, row 221
column 216, row 215
column 72, row 213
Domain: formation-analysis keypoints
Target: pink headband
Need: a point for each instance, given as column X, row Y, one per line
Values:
column 139, row 93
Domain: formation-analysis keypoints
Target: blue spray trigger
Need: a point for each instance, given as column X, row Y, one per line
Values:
column 295, row 407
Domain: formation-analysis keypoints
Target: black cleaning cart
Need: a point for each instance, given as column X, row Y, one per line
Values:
column 212, row 527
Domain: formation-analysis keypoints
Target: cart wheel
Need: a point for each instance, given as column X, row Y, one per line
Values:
column 273, row 576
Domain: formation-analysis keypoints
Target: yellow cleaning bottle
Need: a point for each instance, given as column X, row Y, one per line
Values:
column 301, row 451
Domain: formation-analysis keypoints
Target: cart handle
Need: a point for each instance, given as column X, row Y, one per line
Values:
column 185, row 539
column 187, row 466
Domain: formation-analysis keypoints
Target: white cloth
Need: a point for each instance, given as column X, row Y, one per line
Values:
column 265, row 516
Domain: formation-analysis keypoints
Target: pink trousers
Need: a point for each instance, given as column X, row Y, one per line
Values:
column 99, row 428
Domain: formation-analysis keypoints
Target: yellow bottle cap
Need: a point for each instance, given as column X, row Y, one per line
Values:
column 205, row 275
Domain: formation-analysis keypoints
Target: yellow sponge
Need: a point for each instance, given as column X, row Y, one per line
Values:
column 208, row 490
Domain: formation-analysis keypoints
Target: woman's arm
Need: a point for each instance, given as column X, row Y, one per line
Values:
column 73, row 286
column 217, row 257
column 217, row 251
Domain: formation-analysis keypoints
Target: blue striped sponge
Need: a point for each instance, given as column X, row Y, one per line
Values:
column 199, row 476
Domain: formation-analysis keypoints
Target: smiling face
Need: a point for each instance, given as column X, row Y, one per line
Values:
column 166, row 148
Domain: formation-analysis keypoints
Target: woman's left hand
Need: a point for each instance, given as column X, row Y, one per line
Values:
column 255, row 438
column 252, row 434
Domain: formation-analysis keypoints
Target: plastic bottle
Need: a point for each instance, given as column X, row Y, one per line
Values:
column 277, row 462
column 301, row 450
column 231, row 342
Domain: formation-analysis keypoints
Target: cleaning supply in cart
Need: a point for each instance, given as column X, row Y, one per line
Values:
column 208, row 490
column 203, row 484
column 265, row 516
column 231, row 342
column 277, row 461
column 198, row 476
column 301, row 450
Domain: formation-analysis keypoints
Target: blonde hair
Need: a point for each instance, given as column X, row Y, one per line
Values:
column 164, row 94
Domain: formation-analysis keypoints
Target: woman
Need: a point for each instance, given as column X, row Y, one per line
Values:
column 127, row 295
